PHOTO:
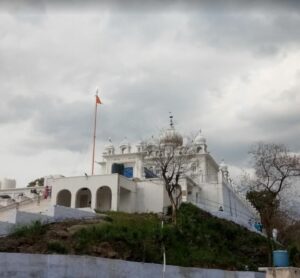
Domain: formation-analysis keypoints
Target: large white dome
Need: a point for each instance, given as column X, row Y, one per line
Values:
column 171, row 137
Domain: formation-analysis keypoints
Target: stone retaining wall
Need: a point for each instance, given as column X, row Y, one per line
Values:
column 53, row 266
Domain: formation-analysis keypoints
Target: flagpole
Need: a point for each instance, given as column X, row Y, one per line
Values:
column 94, row 137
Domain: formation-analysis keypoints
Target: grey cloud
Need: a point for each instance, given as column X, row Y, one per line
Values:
column 15, row 109
column 144, row 6
column 177, row 59
column 68, row 125
column 235, row 153
column 55, row 123
column 263, row 32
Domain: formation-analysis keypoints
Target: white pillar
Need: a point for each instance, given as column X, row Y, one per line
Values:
column 73, row 199
column 94, row 198
column 205, row 170
column 115, row 194
column 220, row 176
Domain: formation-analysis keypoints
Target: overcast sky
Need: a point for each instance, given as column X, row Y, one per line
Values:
column 231, row 70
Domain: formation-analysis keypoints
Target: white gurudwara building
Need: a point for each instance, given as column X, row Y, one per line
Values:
column 130, row 182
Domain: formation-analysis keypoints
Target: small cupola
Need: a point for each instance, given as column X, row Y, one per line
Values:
column 224, row 170
column 139, row 146
column 223, row 167
column 200, row 143
column 125, row 146
column 109, row 147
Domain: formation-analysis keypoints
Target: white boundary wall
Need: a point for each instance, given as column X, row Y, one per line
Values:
column 6, row 228
column 61, row 213
column 52, row 266
column 53, row 214
column 25, row 218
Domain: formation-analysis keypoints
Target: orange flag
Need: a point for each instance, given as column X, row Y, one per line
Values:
column 98, row 101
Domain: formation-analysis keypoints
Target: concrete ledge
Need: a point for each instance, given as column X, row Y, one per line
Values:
column 60, row 213
column 51, row 266
column 282, row 272
column 6, row 228
column 23, row 218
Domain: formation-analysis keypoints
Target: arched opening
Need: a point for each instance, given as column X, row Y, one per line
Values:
column 64, row 198
column 83, row 198
column 104, row 198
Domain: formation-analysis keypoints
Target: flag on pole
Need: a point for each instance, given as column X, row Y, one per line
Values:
column 98, row 101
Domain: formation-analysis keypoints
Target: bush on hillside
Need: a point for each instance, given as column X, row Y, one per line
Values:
column 34, row 229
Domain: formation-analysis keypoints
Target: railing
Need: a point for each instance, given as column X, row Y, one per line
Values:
column 240, row 217
column 18, row 204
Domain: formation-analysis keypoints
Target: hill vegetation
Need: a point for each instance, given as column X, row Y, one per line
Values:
column 198, row 240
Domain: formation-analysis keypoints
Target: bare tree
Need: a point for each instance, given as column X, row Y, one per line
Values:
column 173, row 159
column 275, row 167
column 173, row 163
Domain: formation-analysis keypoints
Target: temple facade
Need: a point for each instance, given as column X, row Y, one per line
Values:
column 130, row 181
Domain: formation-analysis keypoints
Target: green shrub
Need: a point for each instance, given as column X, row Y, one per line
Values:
column 56, row 247
column 36, row 228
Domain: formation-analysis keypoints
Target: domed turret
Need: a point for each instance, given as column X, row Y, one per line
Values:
column 223, row 167
column 124, row 142
column 224, row 170
column 139, row 146
column 170, row 136
column 200, row 143
column 125, row 145
column 185, row 141
column 151, row 142
column 109, row 147
column 200, row 139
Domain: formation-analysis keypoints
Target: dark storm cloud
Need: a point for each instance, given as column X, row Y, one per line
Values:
column 196, row 59
column 153, row 5
column 15, row 109
column 55, row 124
column 262, row 32
column 277, row 118
column 234, row 153
column 178, row 81
column 67, row 124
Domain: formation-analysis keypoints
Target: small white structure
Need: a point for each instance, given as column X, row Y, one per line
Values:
column 7, row 183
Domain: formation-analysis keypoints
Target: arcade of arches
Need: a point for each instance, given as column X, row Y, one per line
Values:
column 84, row 198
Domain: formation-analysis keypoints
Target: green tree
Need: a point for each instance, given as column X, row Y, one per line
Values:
column 275, row 167
column 33, row 183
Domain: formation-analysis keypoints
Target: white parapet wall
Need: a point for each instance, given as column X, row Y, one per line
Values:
column 8, row 183
column 25, row 218
column 53, row 214
column 6, row 228
column 15, row 218
column 281, row 272
column 60, row 213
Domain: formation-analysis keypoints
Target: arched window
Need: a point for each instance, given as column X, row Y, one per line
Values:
column 64, row 198
column 194, row 167
column 83, row 198
column 103, row 198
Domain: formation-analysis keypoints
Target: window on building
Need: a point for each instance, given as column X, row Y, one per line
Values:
column 128, row 172
column 118, row 168
column 149, row 174
column 194, row 167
